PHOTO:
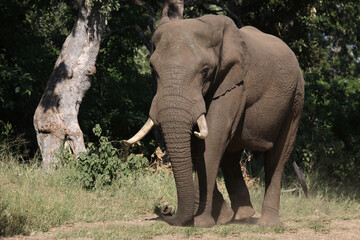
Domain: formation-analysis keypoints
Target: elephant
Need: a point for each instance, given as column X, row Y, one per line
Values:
column 219, row 90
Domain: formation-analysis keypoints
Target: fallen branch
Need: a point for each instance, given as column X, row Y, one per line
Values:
column 289, row 190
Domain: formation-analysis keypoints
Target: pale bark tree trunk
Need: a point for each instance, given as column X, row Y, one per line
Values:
column 173, row 9
column 55, row 118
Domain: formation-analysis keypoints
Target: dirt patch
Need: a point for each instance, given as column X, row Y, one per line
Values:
column 327, row 229
column 148, row 219
column 337, row 229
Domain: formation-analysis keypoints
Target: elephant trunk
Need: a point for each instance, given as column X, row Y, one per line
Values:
column 178, row 146
column 176, row 112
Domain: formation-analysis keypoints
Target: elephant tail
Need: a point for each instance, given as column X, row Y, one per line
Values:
column 301, row 178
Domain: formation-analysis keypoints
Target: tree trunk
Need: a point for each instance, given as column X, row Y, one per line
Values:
column 55, row 118
column 173, row 9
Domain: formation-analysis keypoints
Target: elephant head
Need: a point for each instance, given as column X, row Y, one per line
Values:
column 195, row 61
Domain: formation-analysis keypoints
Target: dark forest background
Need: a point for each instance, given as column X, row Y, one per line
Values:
column 323, row 34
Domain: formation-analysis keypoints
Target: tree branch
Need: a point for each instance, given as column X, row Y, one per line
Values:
column 233, row 16
column 173, row 9
column 131, row 27
column 79, row 3
column 151, row 12
column 201, row 5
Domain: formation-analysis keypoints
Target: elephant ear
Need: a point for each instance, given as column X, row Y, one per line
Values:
column 233, row 56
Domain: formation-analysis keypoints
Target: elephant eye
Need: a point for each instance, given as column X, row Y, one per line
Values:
column 154, row 72
column 205, row 72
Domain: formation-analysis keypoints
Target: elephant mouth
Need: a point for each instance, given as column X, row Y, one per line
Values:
column 149, row 124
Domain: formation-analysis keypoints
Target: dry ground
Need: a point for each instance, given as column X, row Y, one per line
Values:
column 331, row 229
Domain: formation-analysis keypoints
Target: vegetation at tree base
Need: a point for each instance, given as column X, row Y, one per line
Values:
column 102, row 164
column 323, row 35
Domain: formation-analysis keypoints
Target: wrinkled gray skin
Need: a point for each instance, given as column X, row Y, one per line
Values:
column 250, row 87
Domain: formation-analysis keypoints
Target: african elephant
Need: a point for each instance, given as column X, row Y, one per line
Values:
column 242, row 89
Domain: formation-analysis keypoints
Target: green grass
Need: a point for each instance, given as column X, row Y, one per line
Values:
column 31, row 200
column 34, row 201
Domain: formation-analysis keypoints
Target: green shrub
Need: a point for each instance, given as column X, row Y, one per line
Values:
column 102, row 163
column 329, row 132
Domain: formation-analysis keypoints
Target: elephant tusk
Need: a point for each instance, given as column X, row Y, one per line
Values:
column 202, row 127
column 141, row 134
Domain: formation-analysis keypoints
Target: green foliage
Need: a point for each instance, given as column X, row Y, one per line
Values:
column 106, row 6
column 103, row 163
column 329, row 133
column 279, row 229
column 6, row 130
column 121, row 93
column 323, row 34
column 31, row 35
column 331, row 112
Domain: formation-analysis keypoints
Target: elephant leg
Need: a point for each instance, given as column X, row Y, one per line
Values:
column 222, row 121
column 197, row 151
column 221, row 212
column 274, row 162
column 203, row 216
column 212, row 207
column 236, row 187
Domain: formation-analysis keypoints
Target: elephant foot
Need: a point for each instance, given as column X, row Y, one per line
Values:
column 269, row 220
column 226, row 214
column 244, row 212
column 204, row 220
